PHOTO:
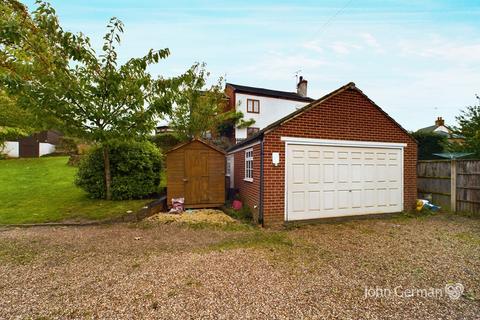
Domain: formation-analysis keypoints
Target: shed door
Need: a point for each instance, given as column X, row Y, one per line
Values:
column 332, row 181
column 28, row 147
column 196, row 177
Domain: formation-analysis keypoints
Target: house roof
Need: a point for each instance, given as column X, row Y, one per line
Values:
column 428, row 129
column 208, row 144
column 269, row 93
column 442, row 133
column 315, row 103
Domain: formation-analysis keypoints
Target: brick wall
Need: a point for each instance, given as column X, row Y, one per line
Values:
column 249, row 191
column 348, row 115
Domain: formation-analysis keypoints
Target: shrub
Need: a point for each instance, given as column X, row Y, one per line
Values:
column 135, row 169
column 244, row 214
column 67, row 145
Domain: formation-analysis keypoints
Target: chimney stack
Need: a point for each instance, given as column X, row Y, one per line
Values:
column 439, row 122
column 302, row 87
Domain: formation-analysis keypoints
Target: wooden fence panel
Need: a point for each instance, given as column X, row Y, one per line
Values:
column 434, row 177
column 468, row 185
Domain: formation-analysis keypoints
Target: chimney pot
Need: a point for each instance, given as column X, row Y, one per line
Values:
column 439, row 122
column 302, row 87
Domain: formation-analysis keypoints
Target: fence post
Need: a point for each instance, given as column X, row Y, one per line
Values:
column 453, row 185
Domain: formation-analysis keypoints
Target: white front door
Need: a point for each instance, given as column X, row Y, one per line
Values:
column 331, row 181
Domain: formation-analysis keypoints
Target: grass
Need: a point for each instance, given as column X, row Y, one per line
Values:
column 43, row 190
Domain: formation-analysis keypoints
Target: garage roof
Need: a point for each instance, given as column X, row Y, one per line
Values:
column 292, row 115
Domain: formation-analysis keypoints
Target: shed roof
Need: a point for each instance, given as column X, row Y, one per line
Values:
column 208, row 144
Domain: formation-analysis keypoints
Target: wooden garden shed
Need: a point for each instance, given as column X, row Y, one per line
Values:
column 196, row 172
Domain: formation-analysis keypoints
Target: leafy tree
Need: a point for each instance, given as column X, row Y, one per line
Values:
column 16, row 122
column 57, row 73
column 469, row 127
column 13, row 116
column 10, row 115
column 198, row 111
column 429, row 143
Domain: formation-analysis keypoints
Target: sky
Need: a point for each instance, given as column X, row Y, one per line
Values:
column 416, row 59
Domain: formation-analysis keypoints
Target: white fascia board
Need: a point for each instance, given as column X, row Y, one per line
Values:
column 345, row 143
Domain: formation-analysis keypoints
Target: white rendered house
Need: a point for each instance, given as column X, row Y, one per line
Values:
column 265, row 106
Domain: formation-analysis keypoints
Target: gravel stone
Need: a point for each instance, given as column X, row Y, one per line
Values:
column 170, row 271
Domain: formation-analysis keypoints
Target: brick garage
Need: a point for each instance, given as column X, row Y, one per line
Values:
column 346, row 156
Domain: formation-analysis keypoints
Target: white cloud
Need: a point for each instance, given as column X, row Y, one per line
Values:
column 313, row 45
column 279, row 66
column 441, row 48
column 372, row 42
column 344, row 47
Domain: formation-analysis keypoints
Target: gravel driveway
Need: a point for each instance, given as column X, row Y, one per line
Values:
column 172, row 271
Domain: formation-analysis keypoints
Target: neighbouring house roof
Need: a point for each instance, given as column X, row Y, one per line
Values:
column 448, row 134
column 313, row 104
column 269, row 93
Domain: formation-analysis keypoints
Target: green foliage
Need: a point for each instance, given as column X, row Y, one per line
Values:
column 235, row 120
column 12, row 115
column 95, row 98
column 199, row 111
column 10, row 133
column 429, row 143
column 165, row 141
column 15, row 122
column 135, row 170
column 68, row 145
column 469, row 127
column 244, row 214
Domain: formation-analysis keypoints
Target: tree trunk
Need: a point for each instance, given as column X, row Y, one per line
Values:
column 108, row 175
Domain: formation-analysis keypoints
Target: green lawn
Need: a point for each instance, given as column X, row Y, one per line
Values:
column 42, row 190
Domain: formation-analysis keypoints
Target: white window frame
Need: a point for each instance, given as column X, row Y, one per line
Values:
column 253, row 103
column 248, row 165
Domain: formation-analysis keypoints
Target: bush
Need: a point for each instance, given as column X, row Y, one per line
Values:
column 67, row 145
column 244, row 214
column 135, row 169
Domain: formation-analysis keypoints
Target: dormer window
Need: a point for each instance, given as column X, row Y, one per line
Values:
column 253, row 106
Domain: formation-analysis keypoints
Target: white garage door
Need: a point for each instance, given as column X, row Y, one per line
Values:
column 331, row 181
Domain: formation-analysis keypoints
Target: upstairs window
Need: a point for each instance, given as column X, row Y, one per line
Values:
column 251, row 131
column 253, row 106
column 249, row 165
